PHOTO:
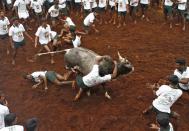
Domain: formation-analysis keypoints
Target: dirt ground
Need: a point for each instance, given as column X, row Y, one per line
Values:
column 151, row 47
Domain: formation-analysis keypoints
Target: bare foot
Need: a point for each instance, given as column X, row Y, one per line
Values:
column 119, row 26
column 13, row 62
column 52, row 62
column 8, row 52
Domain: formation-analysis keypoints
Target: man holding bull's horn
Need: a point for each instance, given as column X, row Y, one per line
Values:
column 94, row 77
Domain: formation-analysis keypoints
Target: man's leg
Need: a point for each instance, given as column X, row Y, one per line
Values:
column 48, row 50
column 14, row 55
column 78, row 95
column 147, row 110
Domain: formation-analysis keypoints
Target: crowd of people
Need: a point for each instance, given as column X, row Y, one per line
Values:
column 92, row 13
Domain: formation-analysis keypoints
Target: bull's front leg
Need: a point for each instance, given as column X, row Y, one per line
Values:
column 106, row 92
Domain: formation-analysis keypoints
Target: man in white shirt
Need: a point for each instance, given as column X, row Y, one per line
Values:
column 144, row 7
column 87, row 7
column 102, row 7
column 133, row 9
column 40, row 77
column 10, row 123
column 182, row 72
column 122, row 8
column 63, row 8
column 167, row 95
column 37, row 6
column 182, row 9
column 168, row 5
column 3, row 112
column 54, row 12
column 112, row 12
column 43, row 36
column 93, row 78
column 17, row 40
column 89, row 22
column 4, row 26
column 20, row 7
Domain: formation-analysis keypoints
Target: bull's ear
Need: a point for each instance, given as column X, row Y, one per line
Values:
column 120, row 57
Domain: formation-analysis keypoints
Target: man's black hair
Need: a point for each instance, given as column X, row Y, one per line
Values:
column 174, row 79
column 9, row 119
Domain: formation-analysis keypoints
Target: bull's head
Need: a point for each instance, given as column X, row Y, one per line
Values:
column 124, row 66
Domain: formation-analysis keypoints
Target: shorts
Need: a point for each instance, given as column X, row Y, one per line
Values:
column 168, row 10
column 51, row 76
column 85, row 27
column 4, row 36
column 86, row 12
column 182, row 12
column 122, row 13
column 54, row 18
column 94, row 9
column 78, row 5
column 112, row 8
column 64, row 11
column 19, row 44
column 159, row 112
column 72, row 28
column 133, row 9
column 144, row 6
column 100, row 10
column 80, row 83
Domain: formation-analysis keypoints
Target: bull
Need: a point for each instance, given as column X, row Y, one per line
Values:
column 84, row 59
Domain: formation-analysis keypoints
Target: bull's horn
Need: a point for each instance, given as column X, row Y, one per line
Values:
column 120, row 57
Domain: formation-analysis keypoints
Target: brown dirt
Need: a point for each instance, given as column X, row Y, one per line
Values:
column 151, row 47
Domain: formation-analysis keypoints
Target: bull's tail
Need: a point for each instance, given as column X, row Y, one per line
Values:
column 53, row 52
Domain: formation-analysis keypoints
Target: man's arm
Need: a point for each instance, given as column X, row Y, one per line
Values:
column 36, row 85
column 184, row 81
column 45, row 81
column 36, row 41
column 26, row 33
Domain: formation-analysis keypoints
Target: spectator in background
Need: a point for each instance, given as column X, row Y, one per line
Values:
column 10, row 123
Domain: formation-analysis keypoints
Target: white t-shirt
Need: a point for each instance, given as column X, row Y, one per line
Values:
column 77, row 41
column 112, row 2
column 53, row 12
column 37, row 6
column 36, row 75
column 182, row 5
column 133, row 3
column 102, row 3
column 93, row 78
column 166, row 97
column 62, row 4
column 77, row 1
column 122, row 5
column 168, row 3
column 3, row 112
column 94, row 4
column 17, row 32
column 9, row 2
column 144, row 2
column 69, row 21
column 87, row 4
column 43, row 34
column 22, row 8
column 185, row 74
column 4, row 26
column 89, row 19
column 52, row 35
column 13, row 128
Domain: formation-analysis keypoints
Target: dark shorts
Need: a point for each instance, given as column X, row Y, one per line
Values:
column 51, row 76
column 168, row 10
column 54, row 18
column 78, row 5
column 19, row 44
column 4, row 36
column 64, row 11
column 80, row 83
column 111, row 8
column 72, row 28
column 86, row 27
column 133, row 9
column 159, row 112
column 182, row 12
column 86, row 12
column 122, row 13
column 101, row 9
column 144, row 6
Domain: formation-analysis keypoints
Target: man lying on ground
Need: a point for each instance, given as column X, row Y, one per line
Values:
column 43, row 76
